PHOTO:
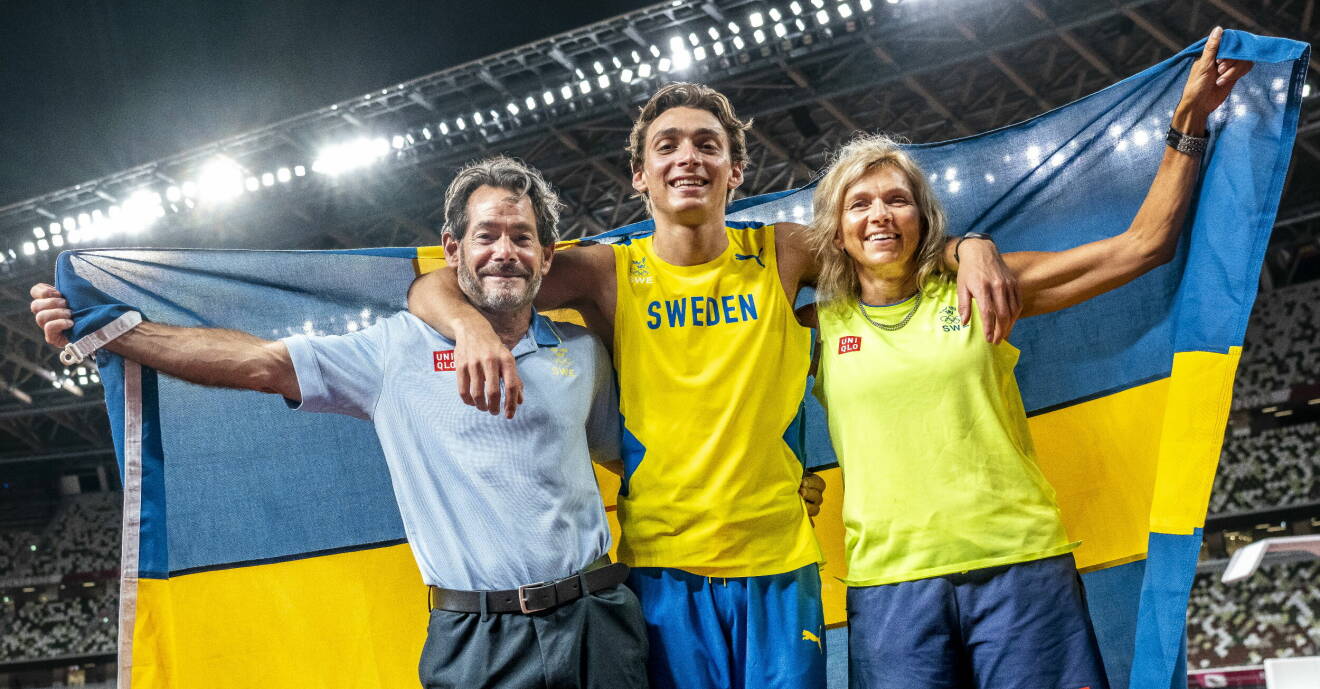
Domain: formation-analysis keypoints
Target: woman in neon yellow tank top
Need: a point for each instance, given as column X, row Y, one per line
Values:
column 960, row 571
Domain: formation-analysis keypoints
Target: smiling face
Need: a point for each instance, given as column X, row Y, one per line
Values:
column 687, row 171
column 499, row 259
column 880, row 223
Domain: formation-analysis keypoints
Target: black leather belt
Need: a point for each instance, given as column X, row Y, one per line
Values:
column 531, row 598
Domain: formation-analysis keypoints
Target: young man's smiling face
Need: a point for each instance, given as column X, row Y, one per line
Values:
column 687, row 169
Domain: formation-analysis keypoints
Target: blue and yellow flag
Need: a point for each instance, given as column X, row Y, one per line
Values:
column 263, row 547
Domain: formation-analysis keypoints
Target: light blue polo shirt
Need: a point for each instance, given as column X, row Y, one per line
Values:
column 488, row 503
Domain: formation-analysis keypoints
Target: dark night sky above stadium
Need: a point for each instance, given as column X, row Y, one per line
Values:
column 90, row 88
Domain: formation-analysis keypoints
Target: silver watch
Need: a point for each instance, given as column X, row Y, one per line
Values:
column 1193, row 146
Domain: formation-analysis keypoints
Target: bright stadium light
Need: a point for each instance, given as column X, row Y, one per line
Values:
column 43, row 245
column 755, row 19
column 350, row 155
column 396, row 141
column 513, row 108
column 626, row 76
column 713, row 33
column 83, row 220
column 220, row 179
column 644, row 70
column 682, row 60
column 618, row 64
column 759, row 35
column 604, row 81
column 173, row 194
column 738, row 42
column 529, row 102
column 252, row 183
column 299, row 171
column 655, row 52
column 39, row 232
column 733, row 28
column 718, row 48
column 823, row 17
column 69, row 223
column 584, row 86
column 699, row 53
column 692, row 38
column 818, row 3
column 865, row 5
column 548, row 98
column 781, row 30
column 845, row 10
column 54, row 227
column 478, row 118
column 283, row 175
column 267, row 179
column 566, row 92
column 57, row 241
column 444, row 129
column 774, row 14
column 795, row 7
column 29, row 248
column 637, row 59
column 664, row 64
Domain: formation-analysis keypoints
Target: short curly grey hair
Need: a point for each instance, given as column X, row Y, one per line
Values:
column 503, row 172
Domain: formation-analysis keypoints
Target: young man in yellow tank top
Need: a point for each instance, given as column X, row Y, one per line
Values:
column 712, row 370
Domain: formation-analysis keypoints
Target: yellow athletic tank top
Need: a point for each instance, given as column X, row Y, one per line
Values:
column 712, row 369
column 929, row 428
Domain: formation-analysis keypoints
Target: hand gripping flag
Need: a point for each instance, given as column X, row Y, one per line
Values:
column 263, row 547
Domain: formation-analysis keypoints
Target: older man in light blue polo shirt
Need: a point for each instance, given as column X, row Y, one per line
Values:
column 503, row 515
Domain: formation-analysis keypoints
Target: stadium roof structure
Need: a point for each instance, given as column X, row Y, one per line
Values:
column 371, row 171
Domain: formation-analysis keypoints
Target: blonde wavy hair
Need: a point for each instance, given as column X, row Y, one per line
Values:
column 837, row 284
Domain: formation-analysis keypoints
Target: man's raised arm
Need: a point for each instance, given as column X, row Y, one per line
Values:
column 206, row 356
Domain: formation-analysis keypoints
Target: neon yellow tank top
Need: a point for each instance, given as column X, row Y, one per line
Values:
column 930, row 431
column 712, row 370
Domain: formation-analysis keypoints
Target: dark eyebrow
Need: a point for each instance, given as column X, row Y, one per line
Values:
column 675, row 131
column 521, row 226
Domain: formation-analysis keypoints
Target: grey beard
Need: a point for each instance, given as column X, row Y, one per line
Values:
column 499, row 301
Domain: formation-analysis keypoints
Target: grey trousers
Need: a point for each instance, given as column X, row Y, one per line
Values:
column 598, row 641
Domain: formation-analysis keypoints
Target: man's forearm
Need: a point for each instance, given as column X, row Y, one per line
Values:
column 209, row 356
column 437, row 299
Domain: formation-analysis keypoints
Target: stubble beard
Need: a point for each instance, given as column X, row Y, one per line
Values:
column 500, row 300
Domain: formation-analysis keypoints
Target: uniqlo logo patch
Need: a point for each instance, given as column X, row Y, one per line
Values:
column 849, row 343
column 444, row 361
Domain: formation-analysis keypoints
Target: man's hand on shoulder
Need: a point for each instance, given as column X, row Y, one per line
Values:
column 984, row 278
column 481, row 361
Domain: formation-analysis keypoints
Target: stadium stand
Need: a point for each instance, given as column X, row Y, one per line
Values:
column 1275, row 613
column 1274, row 468
column 1282, row 347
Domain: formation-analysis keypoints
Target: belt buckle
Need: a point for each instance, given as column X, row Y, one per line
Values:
column 522, row 597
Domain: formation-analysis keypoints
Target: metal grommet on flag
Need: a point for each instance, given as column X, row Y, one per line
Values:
column 77, row 352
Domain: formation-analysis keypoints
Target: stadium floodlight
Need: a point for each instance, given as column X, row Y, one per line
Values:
column 600, row 69
column 618, row 64
column 173, row 194
column 655, row 52
column 759, row 35
column 39, row 232
column 676, row 44
column 795, row 7
column 699, row 53
column 781, row 30
column 604, row 81
column 718, row 48
column 267, row 179
column 682, row 60
column 626, row 76
column 283, row 175
column 529, row 102
column 713, row 33
column 566, row 91
column 29, row 248
column 584, row 86
column 83, row 220
column 548, row 98
column 818, row 4
column 823, row 17
column 69, row 223
column 1246, row 560
column 53, row 228
column 350, row 155
column 57, row 241
column 396, row 141
column 733, row 28
column 892, row 2
column 738, row 42
column 220, row 179
column 478, row 118
column 189, row 189
column 637, row 59
column 252, row 183
column 644, row 70
column 865, row 5
column 774, row 14
column 43, row 245
column 664, row 64
column 299, row 171
column 692, row 38
column 444, row 129
column 512, row 108
column 845, row 10
column 1306, row 90
column 755, row 19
